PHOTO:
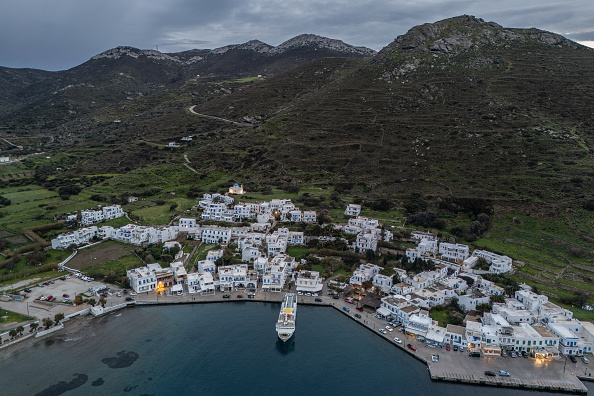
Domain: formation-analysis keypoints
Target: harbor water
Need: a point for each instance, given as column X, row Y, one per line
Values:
column 220, row 349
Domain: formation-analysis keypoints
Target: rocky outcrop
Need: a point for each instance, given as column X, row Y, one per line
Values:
column 459, row 34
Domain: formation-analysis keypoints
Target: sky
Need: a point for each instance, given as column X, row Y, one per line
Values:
column 60, row 34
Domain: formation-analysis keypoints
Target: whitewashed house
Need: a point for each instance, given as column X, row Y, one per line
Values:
column 499, row 264
column 384, row 282
column 353, row 210
column 310, row 216
column 309, row 281
column 142, row 279
column 364, row 273
column 215, row 234
column 453, row 251
column 207, row 266
column 472, row 298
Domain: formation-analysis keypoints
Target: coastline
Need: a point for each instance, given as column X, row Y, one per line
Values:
column 450, row 369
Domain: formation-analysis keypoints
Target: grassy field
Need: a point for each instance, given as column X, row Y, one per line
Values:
column 115, row 267
column 297, row 251
column 9, row 317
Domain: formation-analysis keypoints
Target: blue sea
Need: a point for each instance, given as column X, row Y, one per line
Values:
column 220, row 349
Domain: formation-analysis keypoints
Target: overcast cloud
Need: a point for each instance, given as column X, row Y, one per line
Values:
column 60, row 34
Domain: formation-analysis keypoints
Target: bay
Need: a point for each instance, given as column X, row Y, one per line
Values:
column 222, row 349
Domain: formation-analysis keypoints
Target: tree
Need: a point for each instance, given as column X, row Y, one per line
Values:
column 58, row 317
column 12, row 333
column 33, row 326
column 78, row 300
column 102, row 301
column 20, row 330
column 47, row 322
column 173, row 207
column 498, row 298
column 92, row 302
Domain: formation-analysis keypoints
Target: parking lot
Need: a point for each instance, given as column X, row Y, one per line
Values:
column 29, row 305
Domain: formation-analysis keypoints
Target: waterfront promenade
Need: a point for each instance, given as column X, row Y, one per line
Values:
column 550, row 374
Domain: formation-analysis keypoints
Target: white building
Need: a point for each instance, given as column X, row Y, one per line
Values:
column 206, row 266
column 472, row 298
column 187, row 225
column 236, row 189
column 384, row 282
column 364, row 273
column 309, row 281
column 419, row 323
column 366, row 241
column 499, row 264
column 453, row 251
column 215, row 234
column 310, row 216
column 353, row 210
column 142, row 279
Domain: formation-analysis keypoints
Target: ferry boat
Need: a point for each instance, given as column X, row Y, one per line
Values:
column 285, row 327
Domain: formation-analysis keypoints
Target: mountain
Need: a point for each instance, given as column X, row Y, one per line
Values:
column 459, row 108
column 35, row 99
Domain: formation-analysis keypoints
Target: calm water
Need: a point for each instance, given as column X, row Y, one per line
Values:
column 224, row 349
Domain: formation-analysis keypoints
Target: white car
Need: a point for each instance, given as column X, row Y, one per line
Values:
column 132, row 294
column 397, row 340
column 585, row 360
column 389, row 328
column 382, row 331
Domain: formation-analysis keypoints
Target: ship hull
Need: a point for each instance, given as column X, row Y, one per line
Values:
column 285, row 327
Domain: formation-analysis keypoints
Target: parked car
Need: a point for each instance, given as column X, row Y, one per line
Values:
column 335, row 297
column 503, row 353
column 461, row 348
column 51, row 282
column 503, row 373
column 447, row 347
column 118, row 294
column 474, row 354
column 318, row 299
column 411, row 347
column 226, row 295
column 27, row 290
column 129, row 298
column 125, row 291
column 240, row 296
column 251, row 295
column 359, row 309
column 382, row 331
column 299, row 293
column 49, row 298
column 389, row 328
column 490, row 373
column 65, row 295
column 524, row 354
column 397, row 340
column 133, row 294
column 573, row 358
column 513, row 354
column 346, row 309
column 357, row 316
column 65, row 300
column 456, row 348
column 585, row 360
